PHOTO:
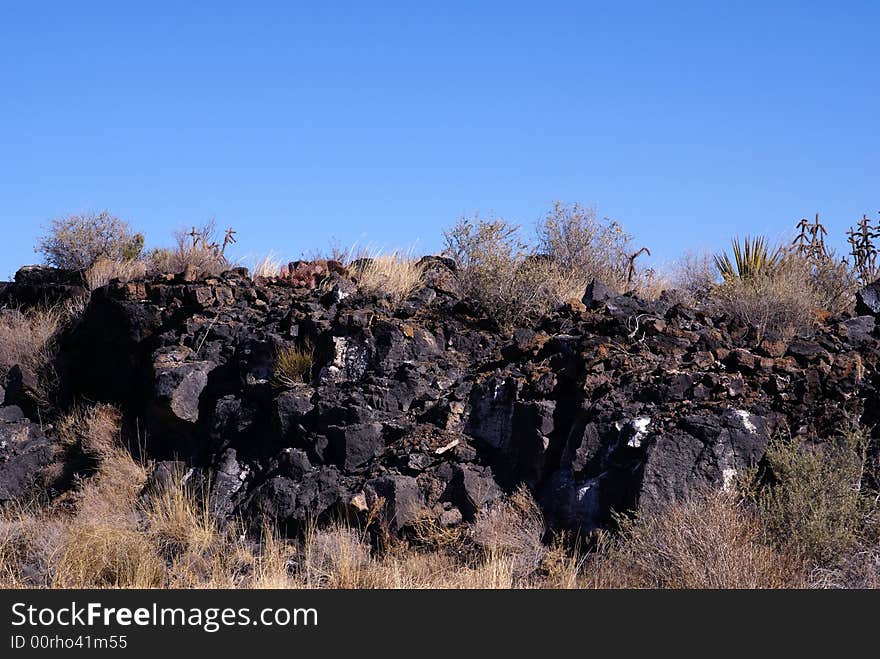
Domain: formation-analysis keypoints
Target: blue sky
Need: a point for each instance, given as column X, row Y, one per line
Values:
column 382, row 123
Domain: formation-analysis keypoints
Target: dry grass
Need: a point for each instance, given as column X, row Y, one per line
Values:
column 782, row 302
column 395, row 275
column 706, row 542
column 512, row 532
column 198, row 249
column 28, row 337
column 267, row 267
column 105, row 270
column 112, row 533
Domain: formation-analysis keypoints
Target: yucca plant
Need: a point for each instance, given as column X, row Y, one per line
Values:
column 752, row 257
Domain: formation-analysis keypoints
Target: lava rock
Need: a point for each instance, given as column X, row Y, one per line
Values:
column 596, row 294
column 24, row 453
column 868, row 299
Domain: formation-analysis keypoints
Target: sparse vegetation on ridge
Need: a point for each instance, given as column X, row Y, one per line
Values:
column 805, row 515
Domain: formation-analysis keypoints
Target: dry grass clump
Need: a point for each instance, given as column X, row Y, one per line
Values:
column 28, row 337
column 104, row 270
column 782, row 301
column 512, row 531
column 104, row 556
column 293, row 364
column 707, row 542
column 75, row 242
column 267, row 267
column 395, row 275
column 92, row 431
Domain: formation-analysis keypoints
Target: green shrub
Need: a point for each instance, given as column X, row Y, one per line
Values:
column 813, row 497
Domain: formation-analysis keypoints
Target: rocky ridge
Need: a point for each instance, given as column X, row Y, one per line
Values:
column 609, row 403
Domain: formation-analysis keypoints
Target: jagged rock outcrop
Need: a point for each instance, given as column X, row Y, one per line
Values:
column 609, row 403
column 25, row 452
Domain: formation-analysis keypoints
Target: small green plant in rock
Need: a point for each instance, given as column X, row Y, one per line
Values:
column 293, row 364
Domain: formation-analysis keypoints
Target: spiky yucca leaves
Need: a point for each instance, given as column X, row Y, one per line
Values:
column 752, row 257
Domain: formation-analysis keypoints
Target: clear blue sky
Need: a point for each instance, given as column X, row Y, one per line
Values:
column 378, row 122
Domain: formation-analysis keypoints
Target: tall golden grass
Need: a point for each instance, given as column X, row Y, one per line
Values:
column 112, row 532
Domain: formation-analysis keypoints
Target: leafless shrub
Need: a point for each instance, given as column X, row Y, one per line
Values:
column 498, row 271
column 705, row 542
column 513, row 528
column 589, row 248
column 695, row 274
column 834, row 283
column 860, row 569
column 76, row 241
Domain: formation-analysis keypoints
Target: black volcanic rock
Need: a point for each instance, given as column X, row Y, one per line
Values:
column 616, row 404
column 868, row 299
column 24, row 452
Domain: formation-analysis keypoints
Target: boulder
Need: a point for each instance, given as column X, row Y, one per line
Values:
column 355, row 445
column 402, row 499
column 868, row 299
column 178, row 385
column 596, row 294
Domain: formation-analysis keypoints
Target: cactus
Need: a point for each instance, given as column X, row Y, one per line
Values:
column 863, row 249
column 810, row 241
